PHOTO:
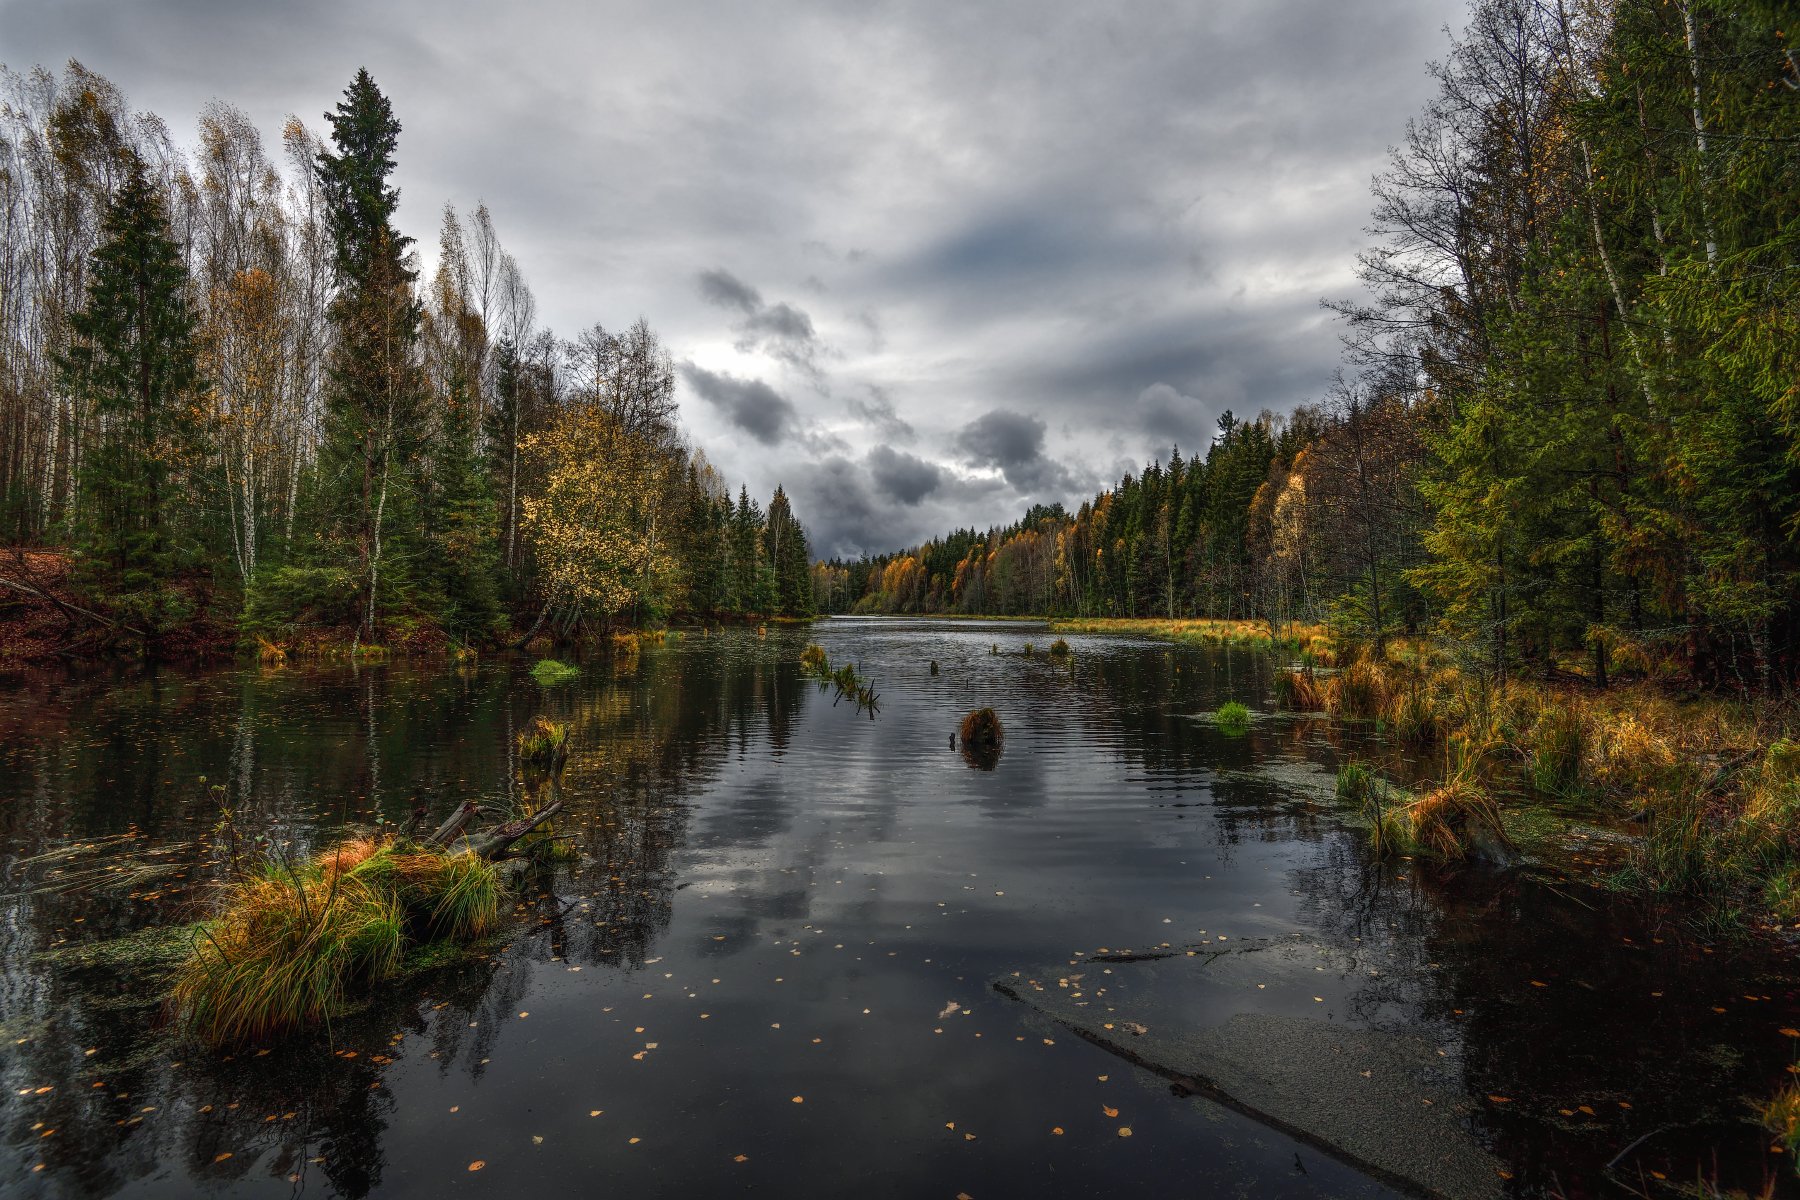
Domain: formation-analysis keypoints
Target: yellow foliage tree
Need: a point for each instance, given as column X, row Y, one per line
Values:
column 595, row 525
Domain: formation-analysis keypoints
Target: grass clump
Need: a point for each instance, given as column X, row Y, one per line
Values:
column 1781, row 1117
column 544, row 742
column 549, row 672
column 1029, row 650
column 290, row 944
column 1059, row 648
column 934, row 666
column 1298, row 690
column 814, row 662
column 1232, row 718
column 982, row 728
column 1356, row 693
column 1558, row 743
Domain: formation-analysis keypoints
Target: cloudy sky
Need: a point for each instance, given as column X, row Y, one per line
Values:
column 923, row 263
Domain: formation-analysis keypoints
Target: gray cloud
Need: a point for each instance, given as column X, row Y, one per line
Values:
column 1014, row 442
column 1167, row 216
column 879, row 414
column 903, row 476
column 726, row 290
column 749, row 404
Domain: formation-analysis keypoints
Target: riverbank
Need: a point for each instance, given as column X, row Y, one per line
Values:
column 1706, row 787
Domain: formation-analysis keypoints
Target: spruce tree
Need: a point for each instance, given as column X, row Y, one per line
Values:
column 366, row 494
column 132, row 359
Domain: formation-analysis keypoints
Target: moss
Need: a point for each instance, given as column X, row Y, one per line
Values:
column 150, row 954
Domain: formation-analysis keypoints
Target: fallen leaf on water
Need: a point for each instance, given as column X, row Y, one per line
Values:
column 633, row 1141
column 1795, row 1033
column 799, row 1099
column 1057, row 1130
column 1134, row 1029
column 1501, row 1099
column 536, row 1140
column 594, row 1112
column 949, row 1008
column 1124, row 1131
column 477, row 1164
column 949, row 1124
column 221, row 1157
column 740, row 1158
column 968, row 1137
column 1111, row 1112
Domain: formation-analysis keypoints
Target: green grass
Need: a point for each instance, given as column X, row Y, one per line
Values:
column 549, row 672
column 1233, row 719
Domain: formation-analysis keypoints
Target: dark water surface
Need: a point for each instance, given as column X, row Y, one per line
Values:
column 739, row 985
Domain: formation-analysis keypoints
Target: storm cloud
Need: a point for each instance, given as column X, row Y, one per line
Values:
column 903, row 476
column 1030, row 242
column 749, row 404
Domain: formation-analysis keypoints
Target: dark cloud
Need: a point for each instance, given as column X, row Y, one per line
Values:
column 750, row 404
column 903, row 476
column 1014, row 442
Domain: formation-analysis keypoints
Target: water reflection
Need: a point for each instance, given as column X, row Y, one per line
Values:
column 783, row 894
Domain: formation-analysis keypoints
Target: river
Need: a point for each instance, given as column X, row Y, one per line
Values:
column 772, row 967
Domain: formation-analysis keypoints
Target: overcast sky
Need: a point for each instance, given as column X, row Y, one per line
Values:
column 922, row 263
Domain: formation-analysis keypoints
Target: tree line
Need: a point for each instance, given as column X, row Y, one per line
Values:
column 227, row 392
column 1566, row 431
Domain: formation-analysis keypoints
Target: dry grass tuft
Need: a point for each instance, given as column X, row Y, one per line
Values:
column 289, row 944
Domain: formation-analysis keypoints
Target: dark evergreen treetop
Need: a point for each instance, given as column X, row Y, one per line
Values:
column 359, row 199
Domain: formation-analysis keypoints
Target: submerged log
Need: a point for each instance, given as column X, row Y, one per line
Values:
column 452, row 828
column 494, row 844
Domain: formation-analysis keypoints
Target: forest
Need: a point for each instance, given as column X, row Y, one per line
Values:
column 232, row 412
column 1566, row 430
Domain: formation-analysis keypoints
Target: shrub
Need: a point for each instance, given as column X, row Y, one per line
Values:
column 279, row 596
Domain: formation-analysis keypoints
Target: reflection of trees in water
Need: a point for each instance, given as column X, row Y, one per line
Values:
column 301, row 753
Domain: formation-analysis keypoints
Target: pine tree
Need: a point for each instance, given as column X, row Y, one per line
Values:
column 133, row 359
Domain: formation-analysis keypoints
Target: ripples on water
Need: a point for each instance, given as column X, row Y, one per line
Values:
column 777, row 897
